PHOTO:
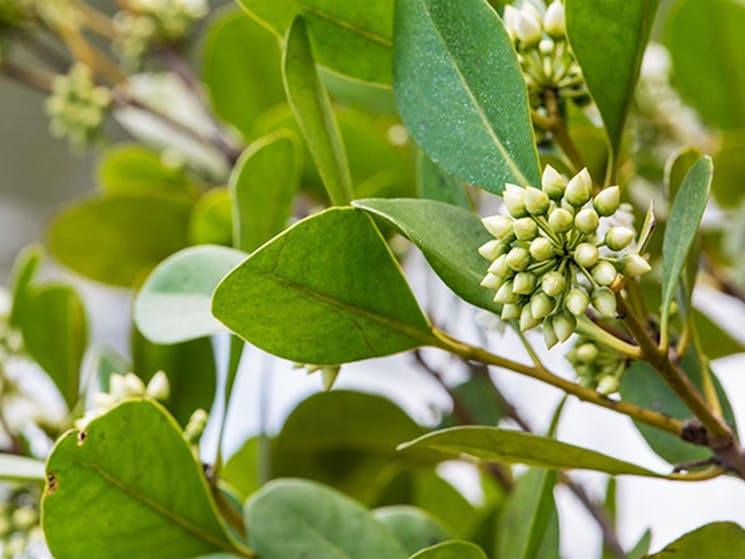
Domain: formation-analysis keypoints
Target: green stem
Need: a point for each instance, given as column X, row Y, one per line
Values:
column 234, row 361
column 588, row 328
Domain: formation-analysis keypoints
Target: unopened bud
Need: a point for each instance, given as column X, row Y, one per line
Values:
column 554, row 21
column 607, row 385
column 514, row 200
column 604, row 301
column 554, row 283
column 527, row 320
column 587, row 353
column 518, row 259
column 525, row 229
column 498, row 225
column 523, row 283
column 491, row 249
column 541, row 249
column 549, row 335
column 564, row 325
column 560, row 220
column 511, row 311
column 505, row 294
column 607, row 201
column 577, row 302
column 552, row 183
column 329, row 375
column 546, row 46
column 634, row 265
column 103, row 401
column 579, row 189
column 500, row 267
column 491, row 281
column 159, row 388
column 528, row 29
column 586, row 221
column 586, row 255
column 604, row 273
column 541, row 305
column 618, row 238
column 117, row 388
column 536, row 201
column 133, row 385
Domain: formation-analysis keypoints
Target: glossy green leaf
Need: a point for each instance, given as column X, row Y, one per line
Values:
column 241, row 69
column 448, row 236
column 133, row 169
column 174, row 304
column 460, row 91
column 344, row 439
column 262, row 187
column 310, row 103
column 190, row 368
column 451, row 550
column 131, row 472
column 708, row 50
column 682, row 227
column 434, row 183
column 516, row 447
column 525, row 522
column 414, row 528
column 117, row 238
column 20, row 468
column 712, row 541
column 295, row 518
column 211, row 220
column 348, row 37
column 326, row 291
column 241, row 471
column 616, row 30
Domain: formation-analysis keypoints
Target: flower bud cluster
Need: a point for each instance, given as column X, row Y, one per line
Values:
column 329, row 373
column 77, row 106
column 548, row 262
column 121, row 387
column 597, row 366
column 19, row 521
column 539, row 34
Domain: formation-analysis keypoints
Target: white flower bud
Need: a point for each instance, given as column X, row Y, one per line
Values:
column 586, row 221
column 618, row 238
column 498, row 225
column 536, row 201
column 607, row 201
column 549, row 335
column 541, row 305
column 523, row 283
column 604, row 273
column 117, row 387
column 546, row 46
column 491, row 281
column 564, row 325
column 329, row 375
column 577, row 302
column 587, row 353
column 525, row 229
column 505, row 294
column 527, row 320
column 158, row 388
column 607, row 385
column 103, row 401
column 500, row 267
column 491, row 249
column 541, row 249
column 554, row 21
column 514, row 200
column 510, row 18
column 552, row 183
column 560, row 220
column 604, row 301
column 634, row 265
column 133, row 385
column 518, row 259
column 511, row 311
column 553, row 283
column 579, row 189
column 24, row 518
column 586, row 255
column 528, row 29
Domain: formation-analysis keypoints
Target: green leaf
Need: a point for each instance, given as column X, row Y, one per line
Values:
column 24, row 269
column 348, row 37
column 717, row 342
column 174, row 304
column 611, row 512
column 241, row 471
column 189, row 366
column 641, row 549
column 682, row 226
column 295, row 518
column 491, row 444
column 344, row 439
column 326, row 291
column 20, row 468
column 434, row 183
column 241, row 69
column 616, row 30
column 478, row 397
column 525, row 521
column 104, row 362
column 117, row 238
column 432, row 493
column 262, row 187
column 708, row 49
column 414, row 528
column 131, row 472
column 133, row 169
column 448, row 236
column 211, row 220
column 461, row 94
column 451, row 550
column 310, row 103
column 712, row 541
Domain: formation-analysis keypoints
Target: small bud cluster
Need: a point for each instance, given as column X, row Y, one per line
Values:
column 539, row 34
column 77, row 106
column 19, row 522
column 597, row 366
column 125, row 386
column 329, row 373
column 546, row 261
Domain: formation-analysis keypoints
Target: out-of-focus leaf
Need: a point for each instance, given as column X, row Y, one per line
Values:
column 414, row 528
column 712, row 541
column 451, row 550
column 20, row 468
column 241, row 470
column 433, row 183
column 641, row 549
column 728, row 186
column 211, row 221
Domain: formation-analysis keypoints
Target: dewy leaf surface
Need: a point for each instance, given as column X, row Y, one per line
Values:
column 326, row 291
column 461, row 94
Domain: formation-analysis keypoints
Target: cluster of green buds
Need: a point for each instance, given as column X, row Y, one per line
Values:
column 19, row 522
column 551, row 259
column 121, row 387
column 77, row 106
column 597, row 366
column 539, row 34
column 148, row 22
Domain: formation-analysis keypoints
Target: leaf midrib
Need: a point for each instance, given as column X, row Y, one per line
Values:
column 344, row 24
